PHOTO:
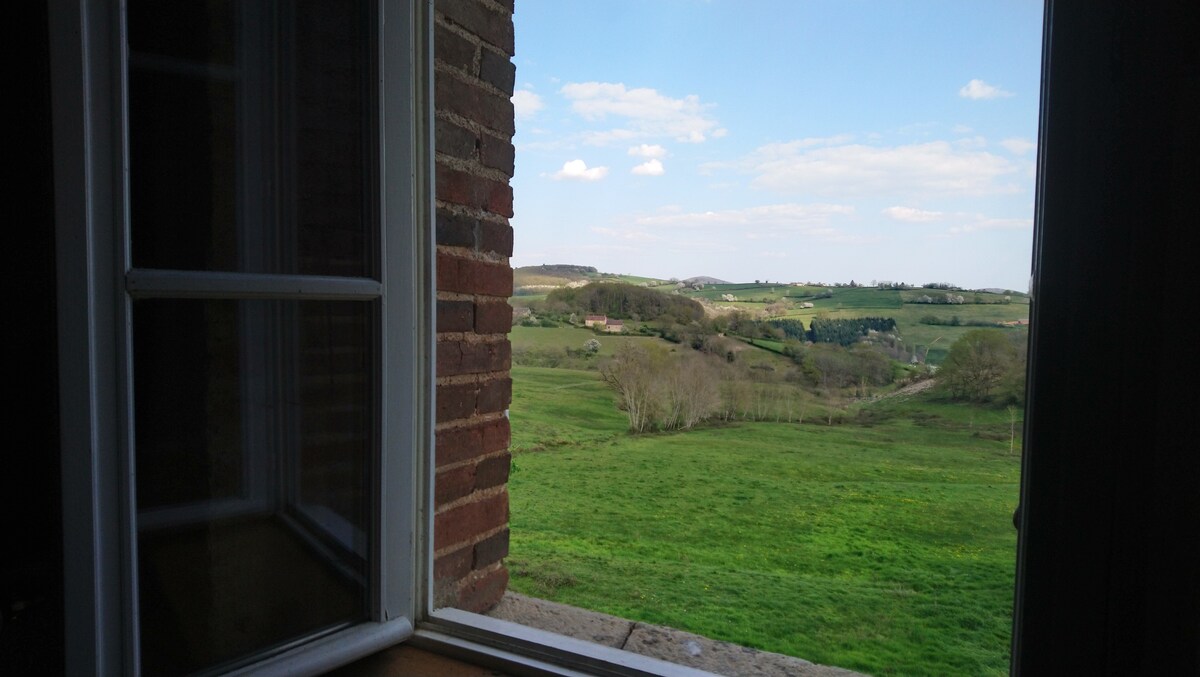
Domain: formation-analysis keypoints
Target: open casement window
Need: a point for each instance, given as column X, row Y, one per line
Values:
column 245, row 302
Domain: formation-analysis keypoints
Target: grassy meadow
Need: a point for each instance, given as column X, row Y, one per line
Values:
column 883, row 545
column 846, row 302
column 932, row 341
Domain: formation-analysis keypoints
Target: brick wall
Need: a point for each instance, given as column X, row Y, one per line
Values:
column 473, row 43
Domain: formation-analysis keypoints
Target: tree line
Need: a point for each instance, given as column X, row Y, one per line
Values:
column 986, row 365
column 626, row 302
column 663, row 392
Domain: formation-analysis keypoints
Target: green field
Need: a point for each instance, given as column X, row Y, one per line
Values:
column 575, row 337
column 884, row 546
column 763, row 353
column 847, row 302
column 560, row 275
column 931, row 341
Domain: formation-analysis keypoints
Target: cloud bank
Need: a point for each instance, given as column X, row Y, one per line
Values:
column 577, row 170
column 933, row 168
column 650, row 167
column 978, row 89
column 526, row 104
column 648, row 151
column 912, row 214
column 644, row 113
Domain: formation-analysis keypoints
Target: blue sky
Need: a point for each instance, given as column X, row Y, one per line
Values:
column 781, row 140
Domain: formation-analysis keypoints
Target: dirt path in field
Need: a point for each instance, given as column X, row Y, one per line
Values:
column 908, row 391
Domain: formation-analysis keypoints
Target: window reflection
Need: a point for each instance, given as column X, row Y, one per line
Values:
column 254, row 440
column 249, row 129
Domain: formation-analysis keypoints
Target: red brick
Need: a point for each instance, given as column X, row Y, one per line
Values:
column 468, row 520
column 449, row 358
column 454, row 564
column 494, row 395
column 492, row 471
column 496, row 70
column 458, row 357
column 455, row 401
column 496, row 237
column 456, row 230
column 468, row 276
column 479, row 595
column 497, row 153
column 469, row 190
column 488, row 356
column 496, row 436
column 475, row 103
column 455, row 140
column 472, row 15
column 489, row 550
column 453, row 484
column 500, row 201
column 455, row 316
column 453, row 49
column 492, row 318
column 459, row 444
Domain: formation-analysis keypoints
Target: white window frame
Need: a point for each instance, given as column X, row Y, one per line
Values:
column 96, row 285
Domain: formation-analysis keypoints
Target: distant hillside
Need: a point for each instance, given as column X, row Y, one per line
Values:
column 627, row 301
column 554, row 275
column 540, row 279
column 562, row 270
column 704, row 279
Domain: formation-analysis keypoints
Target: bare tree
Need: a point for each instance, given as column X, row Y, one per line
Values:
column 699, row 395
column 803, row 401
column 832, row 405
column 1012, row 428
column 630, row 374
column 794, row 402
column 763, row 399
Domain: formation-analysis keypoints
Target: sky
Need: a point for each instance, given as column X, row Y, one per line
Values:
column 781, row 140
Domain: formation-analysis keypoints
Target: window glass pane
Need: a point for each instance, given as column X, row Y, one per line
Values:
column 249, row 137
column 255, row 433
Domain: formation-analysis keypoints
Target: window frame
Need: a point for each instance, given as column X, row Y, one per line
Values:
column 93, row 363
column 96, row 285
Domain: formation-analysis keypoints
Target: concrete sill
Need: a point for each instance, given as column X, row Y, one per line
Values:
column 528, row 636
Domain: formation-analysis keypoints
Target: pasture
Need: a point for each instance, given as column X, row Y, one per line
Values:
column 883, row 545
column 848, row 302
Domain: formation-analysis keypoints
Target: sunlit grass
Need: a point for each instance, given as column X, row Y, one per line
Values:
column 885, row 547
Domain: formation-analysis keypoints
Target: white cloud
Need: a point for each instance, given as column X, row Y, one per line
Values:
column 526, row 104
column 1018, row 146
column 776, row 150
column 978, row 89
column 765, row 221
column 936, row 167
column 961, row 129
column 971, row 142
column 790, row 147
column 577, row 170
column 646, row 113
column 647, row 150
column 983, row 223
column 651, row 167
column 631, row 235
column 912, row 214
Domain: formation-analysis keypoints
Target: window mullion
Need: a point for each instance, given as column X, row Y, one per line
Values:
column 145, row 283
